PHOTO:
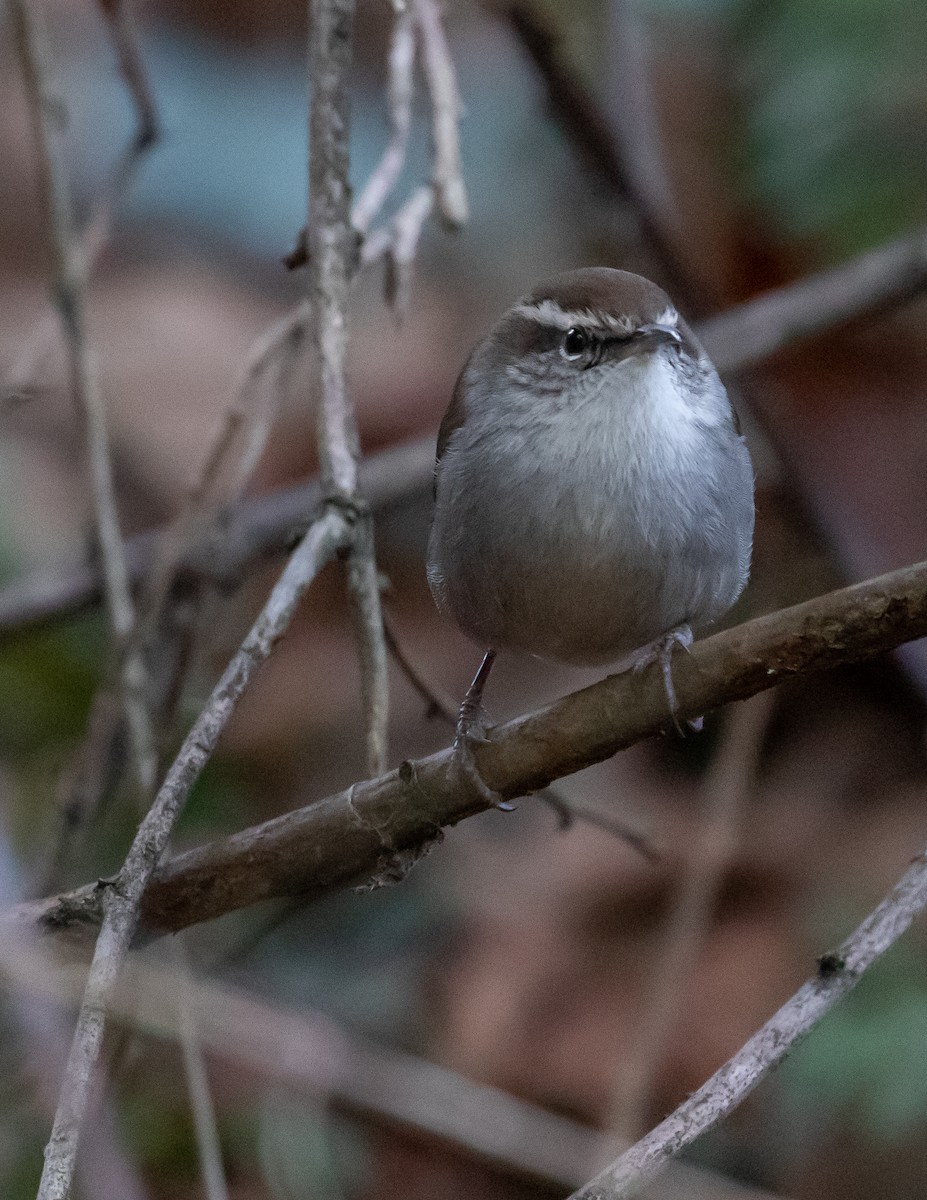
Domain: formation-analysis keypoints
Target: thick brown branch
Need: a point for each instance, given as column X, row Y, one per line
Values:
column 372, row 832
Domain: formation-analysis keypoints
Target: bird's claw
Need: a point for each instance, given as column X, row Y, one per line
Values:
column 470, row 729
column 661, row 651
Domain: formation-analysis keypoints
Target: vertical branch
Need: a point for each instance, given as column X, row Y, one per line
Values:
column 400, row 91
column 204, row 1113
column 333, row 250
column 450, row 189
column 121, row 23
column 69, row 300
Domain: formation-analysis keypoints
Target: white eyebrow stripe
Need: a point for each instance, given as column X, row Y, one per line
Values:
column 548, row 312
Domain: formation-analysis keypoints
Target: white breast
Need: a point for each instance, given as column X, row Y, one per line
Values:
column 581, row 531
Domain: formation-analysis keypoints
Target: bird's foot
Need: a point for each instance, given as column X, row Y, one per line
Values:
column 471, row 729
column 661, row 651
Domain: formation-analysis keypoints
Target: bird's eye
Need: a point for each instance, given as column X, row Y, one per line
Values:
column 575, row 341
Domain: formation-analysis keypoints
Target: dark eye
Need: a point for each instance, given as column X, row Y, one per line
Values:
column 575, row 341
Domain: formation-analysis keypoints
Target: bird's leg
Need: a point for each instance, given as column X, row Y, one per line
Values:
column 661, row 651
column 470, row 729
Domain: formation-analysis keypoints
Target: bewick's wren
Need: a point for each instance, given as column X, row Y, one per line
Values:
column 593, row 494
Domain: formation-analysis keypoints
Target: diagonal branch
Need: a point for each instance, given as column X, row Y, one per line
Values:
column 309, row 1052
column 120, row 898
column 866, row 286
column 838, row 973
column 373, row 832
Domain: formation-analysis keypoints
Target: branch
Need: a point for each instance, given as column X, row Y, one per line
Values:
column 96, row 233
column 447, row 179
column 120, row 898
column 838, row 974
column 374, row 831
column 332, row 249
column 85, row 384
column 401, row 61
column 593, row 137
column 866, row 286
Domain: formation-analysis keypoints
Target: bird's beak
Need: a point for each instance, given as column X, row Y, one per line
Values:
column 659, row 333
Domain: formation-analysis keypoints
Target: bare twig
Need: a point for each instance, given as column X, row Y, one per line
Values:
column 121, row 897
column 69, row 300
column 204, row 1113
column 447, row 178
column 402, row 245
column 383, row 179
column 866, row 286
column 838, row 973
column 439, row 704
column 332, row 247
column 106, row 1170
column 20, row 377
column 710, row 852
column 231, row 459
column 375, row 830
column 121, row 22
column 594, row 138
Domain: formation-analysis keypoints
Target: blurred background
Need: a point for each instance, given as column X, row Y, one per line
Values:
column 781, row 138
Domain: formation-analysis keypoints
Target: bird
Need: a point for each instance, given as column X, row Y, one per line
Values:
column 593, row 492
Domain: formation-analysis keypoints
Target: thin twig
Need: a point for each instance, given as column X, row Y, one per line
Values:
column 121, row 21
column 69, row 300
column 726, row 789
column 634, row 116
column 107, row 1172
column 121, row 897
column 402, row 245
column 20, row 377
column 437, row 702
column 375, row 830
column 865, row 287
column 332, row 247
column 595, row 139
column 447, row 177
column 838, row 973
column 401, row 63
column 201, row 1102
